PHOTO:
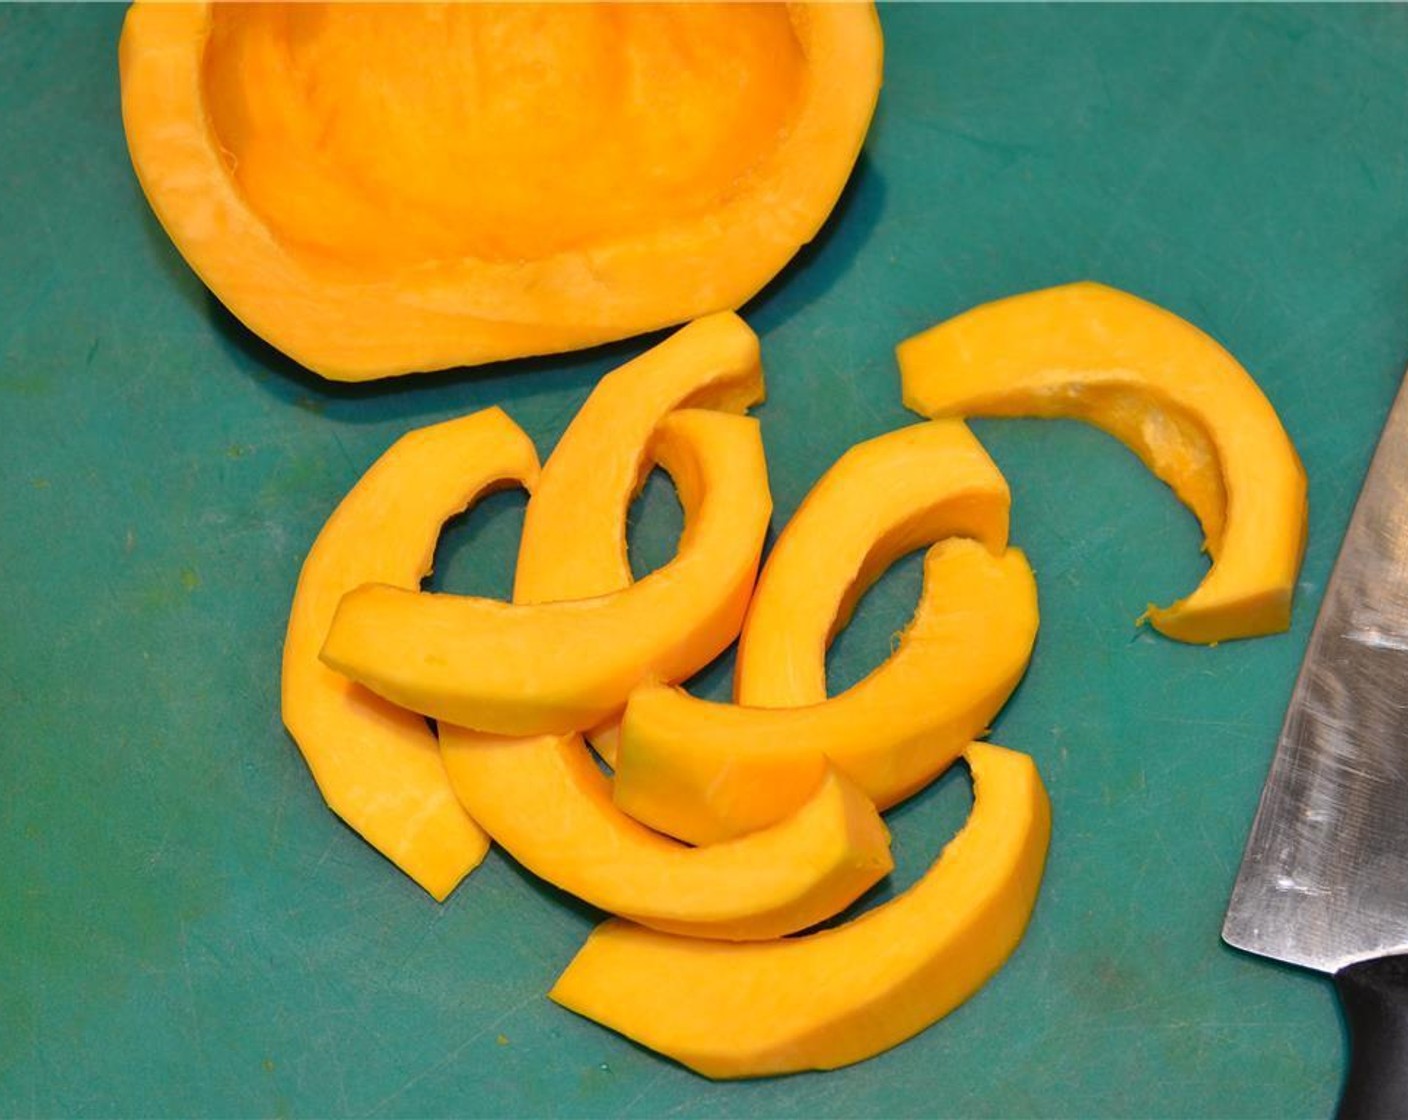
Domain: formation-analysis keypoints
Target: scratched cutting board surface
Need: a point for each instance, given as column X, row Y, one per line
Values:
column 185, row 930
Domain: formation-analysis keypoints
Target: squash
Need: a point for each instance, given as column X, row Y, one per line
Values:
column 705, row 771
column 547, row 803
column 1174, row 396
column 844, row 994
column 376, row 764
column 554, row 668
column 380, row 189
column 881, row 499
column 574, row 529
column 574, row 545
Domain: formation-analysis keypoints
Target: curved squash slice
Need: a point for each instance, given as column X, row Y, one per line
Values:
column 705, row 772
column 376, row 764
column 378, row 189
column 845, row 994
column 1169, row 392
column 546, row 802
column 566, row 666
column 574, row 529
column 880, row 500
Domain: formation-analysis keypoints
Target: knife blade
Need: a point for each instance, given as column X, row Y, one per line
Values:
column 1324, row 879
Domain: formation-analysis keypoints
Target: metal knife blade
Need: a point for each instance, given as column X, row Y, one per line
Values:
column 1324, row 878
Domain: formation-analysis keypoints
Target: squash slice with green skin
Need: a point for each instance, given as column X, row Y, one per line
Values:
column 1169, row 392
column 705, row 772
column 547, row 803
column 845, row 994
column 555, row 668
column 376, row 764
column 380, row 189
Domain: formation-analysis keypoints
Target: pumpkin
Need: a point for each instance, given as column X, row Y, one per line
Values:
column 844, row 994
column 705, row 771
column 380, row 189
column 378, row 765
column 1174, row 396
column 554, row 668
column 574, row 544
column 548, row 804
column 574, row 529
column 881, row 499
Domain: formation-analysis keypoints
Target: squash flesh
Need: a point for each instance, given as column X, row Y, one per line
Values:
column 676, row 104
column 1169, row 392
column 554, row 668
column 845, row 994
column 881, row 499
column 573, row 545
column 376, row 764
column 546, row 802
column 704, row 771
column 574, row 529
column 329, row 303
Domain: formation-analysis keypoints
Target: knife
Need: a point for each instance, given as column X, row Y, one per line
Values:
column 1324, row 879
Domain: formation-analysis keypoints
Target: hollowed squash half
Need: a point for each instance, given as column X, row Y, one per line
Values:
column 380, row 189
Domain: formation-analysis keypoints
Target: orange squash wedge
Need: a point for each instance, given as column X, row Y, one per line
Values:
column 547, row 803
column 844, row 994
column 574, row 529
column 376, row 764
column 705, row 772
column 379, row 189
column 554, row 668
column 883, row 498
column 1168, row 391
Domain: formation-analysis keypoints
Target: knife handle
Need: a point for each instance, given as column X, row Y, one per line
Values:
column 1374, row 996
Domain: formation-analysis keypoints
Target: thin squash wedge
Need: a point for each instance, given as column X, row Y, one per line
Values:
column 540, row 177
column 574, row 529
column 881, row 499
column 554, row 668
column 1168, row 391
column 546, row 802
column 378, row 765
column 704, row 771
column 844, row 994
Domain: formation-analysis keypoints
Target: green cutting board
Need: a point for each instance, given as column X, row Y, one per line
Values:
column 186, row 930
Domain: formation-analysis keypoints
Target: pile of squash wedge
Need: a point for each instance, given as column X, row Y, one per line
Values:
column 723, row 838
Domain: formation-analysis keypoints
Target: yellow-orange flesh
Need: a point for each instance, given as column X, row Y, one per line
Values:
column 847, row 993
column 1174, row 396
column 377, row 765
column 393, row 135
